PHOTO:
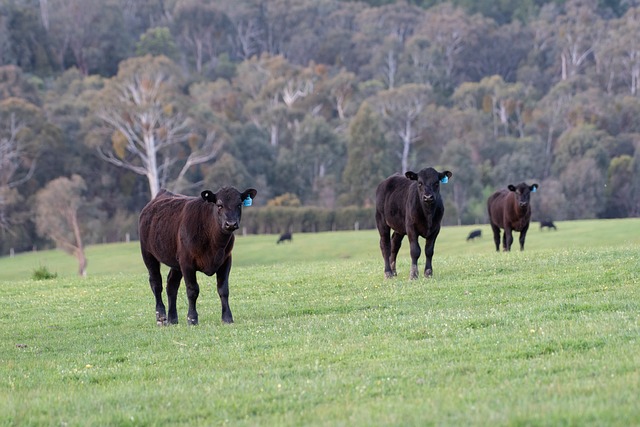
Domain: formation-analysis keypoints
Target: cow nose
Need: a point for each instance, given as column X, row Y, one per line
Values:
column 524, row 204
column 427, row 198
column 231, row 225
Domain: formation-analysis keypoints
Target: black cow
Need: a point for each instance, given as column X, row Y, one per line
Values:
column 284, row 237
column 409, row 205
column 510, row 210
column 190, row 234
column 549, row 224
column 474, row 234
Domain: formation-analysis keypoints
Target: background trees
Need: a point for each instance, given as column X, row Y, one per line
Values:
column 318, row 101
column 58, row 216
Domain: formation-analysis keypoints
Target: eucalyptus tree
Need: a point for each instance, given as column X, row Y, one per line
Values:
column 403, row 111
column 25, row 137
column 368, row 154
column 140, row 122
column 383, row 33
column 58, row 216
column 89, row 34
column 621, row 44
column 569, row 36
column 203, row 30
column 506, row 103
column 434, row 50
column 16, row 166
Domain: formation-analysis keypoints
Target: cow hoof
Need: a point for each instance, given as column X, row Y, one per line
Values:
column 161, row 320
column 192, row 321
column 428, row 273
column 227, row 321
column 388, row 275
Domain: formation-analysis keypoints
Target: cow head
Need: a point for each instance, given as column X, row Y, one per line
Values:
column 429, row 181
column 523, row 193
column 228, row 205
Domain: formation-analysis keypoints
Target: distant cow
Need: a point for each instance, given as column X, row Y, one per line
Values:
column 474, row 234
column 409, row 205
column 510, row 210
column 284, row 237
column 549, row 224
column 190, row 234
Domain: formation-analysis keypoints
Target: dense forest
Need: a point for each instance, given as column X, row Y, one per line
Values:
column 312, row 102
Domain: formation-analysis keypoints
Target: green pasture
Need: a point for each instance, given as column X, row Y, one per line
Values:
column 548, row 336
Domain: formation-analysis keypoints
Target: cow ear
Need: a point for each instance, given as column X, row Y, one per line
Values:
column 534, row 188
column 208, row 196
column 247, row 196
column 444, row 176
column 511, row 187
column 411, row 175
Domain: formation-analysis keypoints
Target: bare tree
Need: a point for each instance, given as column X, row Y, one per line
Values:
column 57, row 209
column 146, row 125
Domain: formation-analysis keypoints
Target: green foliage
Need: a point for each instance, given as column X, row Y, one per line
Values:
column 368, row 157
column 275, row 97
column 157, row 41
column 543, row 337
column 276, row 219
column 43, row 273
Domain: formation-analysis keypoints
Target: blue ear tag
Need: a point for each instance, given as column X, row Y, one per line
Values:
column 444, row 179
column 534, row 189
column 247, row 201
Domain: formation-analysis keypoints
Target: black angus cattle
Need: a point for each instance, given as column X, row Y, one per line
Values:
column 409, row 205
column 474, row 234
column 284, row 237
column 190, row 234
column 510, row 210
column 549, row 224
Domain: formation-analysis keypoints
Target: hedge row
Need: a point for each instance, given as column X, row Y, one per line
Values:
column 275, row 220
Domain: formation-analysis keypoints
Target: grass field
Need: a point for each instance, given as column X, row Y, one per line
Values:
column 548, row 336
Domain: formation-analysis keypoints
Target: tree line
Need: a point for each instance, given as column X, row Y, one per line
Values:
column 312, row 102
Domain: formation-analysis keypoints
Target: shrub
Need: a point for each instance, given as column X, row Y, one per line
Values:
column 43, row 273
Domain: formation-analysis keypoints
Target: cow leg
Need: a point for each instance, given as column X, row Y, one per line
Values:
column 222, row 277
column 496, row 236
column 173, row 283
column 155, row 282
column 415, row 254
column 428, row 251
column 508, row 239
column 193, row 290
column 523, row 234
column 396, row 242
column 385, row 247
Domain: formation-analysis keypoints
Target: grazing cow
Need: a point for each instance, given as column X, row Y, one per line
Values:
column 474, row 234
column 190, row 234
column 549, row 224
column 509, row 209
column 409, row 205
column 284, row 237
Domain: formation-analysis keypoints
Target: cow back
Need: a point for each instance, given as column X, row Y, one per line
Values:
column 161, row 221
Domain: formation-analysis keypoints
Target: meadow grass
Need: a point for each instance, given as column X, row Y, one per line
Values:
column 548, row 336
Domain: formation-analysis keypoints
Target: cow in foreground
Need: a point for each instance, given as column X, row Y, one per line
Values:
column 409, row 205
column 509, row 209
column 190, row 234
